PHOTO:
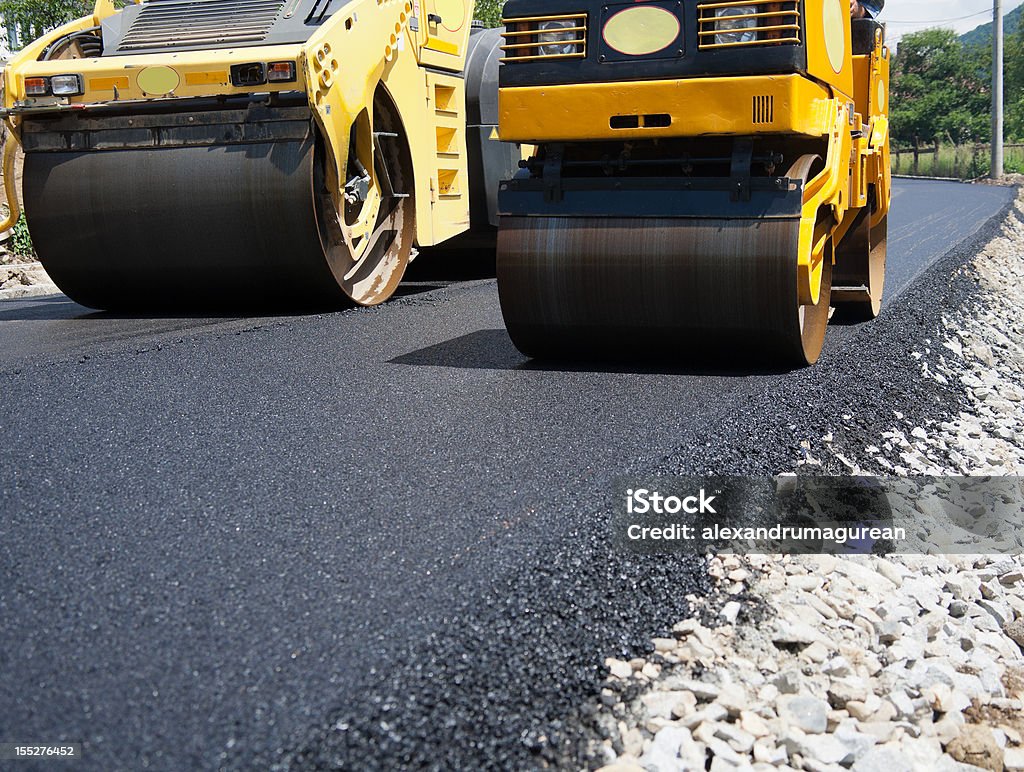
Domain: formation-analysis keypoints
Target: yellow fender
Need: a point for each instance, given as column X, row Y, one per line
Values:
column 344, row 64
column 824, row 190
column 879, row 145
column 10, row 187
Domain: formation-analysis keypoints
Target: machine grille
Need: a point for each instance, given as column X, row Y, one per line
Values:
column 174, row 24
column 732, row 24
column 523, row 38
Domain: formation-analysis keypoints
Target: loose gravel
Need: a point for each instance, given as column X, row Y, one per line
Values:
column 21, row 278
column 865, row 663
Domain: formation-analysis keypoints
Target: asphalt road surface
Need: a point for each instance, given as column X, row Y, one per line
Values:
column 223, row 539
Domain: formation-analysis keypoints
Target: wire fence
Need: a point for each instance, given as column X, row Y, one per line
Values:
column 964, row 162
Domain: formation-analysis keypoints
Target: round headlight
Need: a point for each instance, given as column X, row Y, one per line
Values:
column 557, row 43
column 732, row 30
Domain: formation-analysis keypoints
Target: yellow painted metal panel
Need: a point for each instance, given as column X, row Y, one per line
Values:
column 446, row 25
column 443, row 46
column 726, row 107
column 214, row 78
column 829, row 46
column 109, row 84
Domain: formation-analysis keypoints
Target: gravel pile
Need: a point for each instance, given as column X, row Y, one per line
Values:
column 24, row 279
column 981, row 353
column 822, row 663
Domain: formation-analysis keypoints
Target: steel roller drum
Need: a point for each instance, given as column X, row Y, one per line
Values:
column 577, row 286
column 178, row 226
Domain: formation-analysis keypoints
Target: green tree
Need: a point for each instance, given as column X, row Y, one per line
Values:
column 489, row 12
column 36, row 16
column 940, row 89
column 1014, row 85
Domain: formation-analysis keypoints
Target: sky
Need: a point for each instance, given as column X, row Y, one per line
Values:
column 903, row 16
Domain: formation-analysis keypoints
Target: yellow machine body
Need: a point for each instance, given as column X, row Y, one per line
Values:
column 798, row 81
column 353, row 64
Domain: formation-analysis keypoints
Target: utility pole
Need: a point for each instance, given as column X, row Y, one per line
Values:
column 997, row 89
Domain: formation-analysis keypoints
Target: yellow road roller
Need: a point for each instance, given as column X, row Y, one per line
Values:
column 707, row 172
column 236, row 151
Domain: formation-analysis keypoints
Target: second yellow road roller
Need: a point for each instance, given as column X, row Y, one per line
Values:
column 237, row 151
column 706, row 172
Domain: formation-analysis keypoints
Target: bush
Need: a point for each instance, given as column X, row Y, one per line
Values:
column 21, row 239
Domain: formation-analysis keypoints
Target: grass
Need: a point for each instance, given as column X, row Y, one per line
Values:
column 965, row 162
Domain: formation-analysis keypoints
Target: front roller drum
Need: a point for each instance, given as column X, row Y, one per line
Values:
column 143, row 228
column 615, row 287
column 219, row 226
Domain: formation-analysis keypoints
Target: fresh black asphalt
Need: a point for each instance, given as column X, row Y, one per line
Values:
column 373, row 538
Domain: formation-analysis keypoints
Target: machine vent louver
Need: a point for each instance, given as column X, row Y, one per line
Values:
column 177, row 24
column 764, row 109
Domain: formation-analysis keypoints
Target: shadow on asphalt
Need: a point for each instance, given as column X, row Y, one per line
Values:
column 493, row 350
column 47, row 309
column 52, row 308
column 848, row 319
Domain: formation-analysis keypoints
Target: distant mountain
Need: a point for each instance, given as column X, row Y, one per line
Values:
column 983, row 35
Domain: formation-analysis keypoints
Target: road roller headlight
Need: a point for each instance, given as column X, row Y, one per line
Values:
column 67, row 85
column 36, row 87
column 732, row 27
column 558, row 38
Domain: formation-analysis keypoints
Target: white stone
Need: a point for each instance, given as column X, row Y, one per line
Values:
column 808, row 714
column 905, row 707
column 787, row 682
column 754, row 724
column 767, row 752
column 837, row 667
column 730, row 612
column 684, row 705
column 703, row 691
column 733, row 698
column 856, row 743
column 824, row 748
column 1013, row 760
column 843, row 690
column 882, row 759
column 618, row 668
column 817, row 652
column 964, row 587
column 882, row 731
column 664, row 704
column 795, row 631
column 710, row 714
column 663, row 754
column 948, row 728
column 738, row 739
